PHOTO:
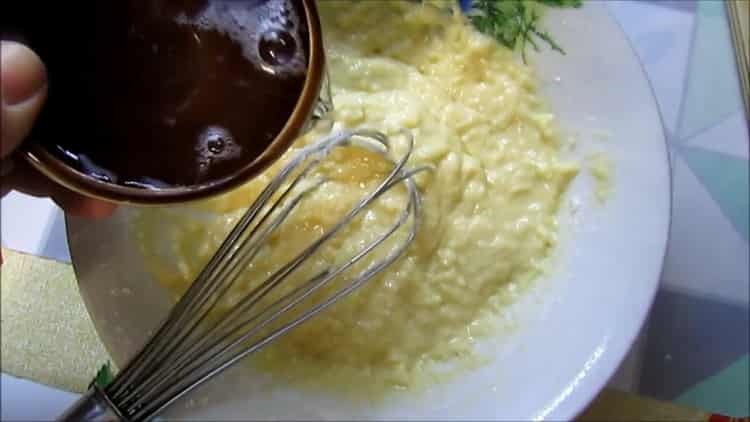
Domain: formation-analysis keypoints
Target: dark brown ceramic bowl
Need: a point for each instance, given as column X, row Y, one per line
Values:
column 310, row 102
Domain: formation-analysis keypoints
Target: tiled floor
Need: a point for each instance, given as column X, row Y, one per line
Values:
column 695, row 347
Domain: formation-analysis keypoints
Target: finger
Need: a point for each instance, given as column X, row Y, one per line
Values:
column 28, row 180
column 23, row 85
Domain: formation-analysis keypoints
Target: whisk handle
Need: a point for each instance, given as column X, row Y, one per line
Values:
column 94, row 406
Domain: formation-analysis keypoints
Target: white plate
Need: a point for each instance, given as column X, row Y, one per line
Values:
column 575, row 327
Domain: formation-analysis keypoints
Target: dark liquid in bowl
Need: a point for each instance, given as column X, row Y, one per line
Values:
column 163, row 93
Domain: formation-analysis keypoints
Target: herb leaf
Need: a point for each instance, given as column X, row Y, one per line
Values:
column 103, row 377
column 562, row 3
column 514, row 23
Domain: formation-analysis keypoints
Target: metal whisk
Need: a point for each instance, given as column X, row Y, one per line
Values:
column 189, row 348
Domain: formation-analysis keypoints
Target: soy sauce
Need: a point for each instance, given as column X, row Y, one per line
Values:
column 163, row 93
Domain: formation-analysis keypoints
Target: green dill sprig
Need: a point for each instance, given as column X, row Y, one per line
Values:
column 103, row 377
column 515, row 23
column 562, row 3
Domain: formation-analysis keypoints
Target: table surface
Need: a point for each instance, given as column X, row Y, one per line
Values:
column 694, row 347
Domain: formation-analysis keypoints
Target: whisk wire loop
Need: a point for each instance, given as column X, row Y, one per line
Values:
column 190, row 347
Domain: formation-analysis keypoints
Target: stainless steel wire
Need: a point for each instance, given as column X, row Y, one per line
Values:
column 190, row 347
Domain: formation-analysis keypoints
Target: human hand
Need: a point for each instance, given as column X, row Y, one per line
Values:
column 23, row 89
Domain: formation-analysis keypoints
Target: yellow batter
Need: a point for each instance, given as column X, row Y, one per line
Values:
column 600, row 168
column 489, row 217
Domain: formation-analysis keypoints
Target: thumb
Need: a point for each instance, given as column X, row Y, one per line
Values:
column 23, row 88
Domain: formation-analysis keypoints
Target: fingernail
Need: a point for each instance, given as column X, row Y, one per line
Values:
column 22, row 72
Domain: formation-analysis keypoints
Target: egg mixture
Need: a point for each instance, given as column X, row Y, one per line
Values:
column 489, row 206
